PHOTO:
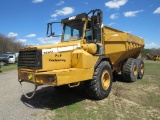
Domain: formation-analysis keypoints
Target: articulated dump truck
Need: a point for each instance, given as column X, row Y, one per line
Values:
column 89, row 53
column 151, row 57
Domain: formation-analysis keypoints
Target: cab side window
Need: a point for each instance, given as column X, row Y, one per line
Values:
column 89, row 31
column 96, row 36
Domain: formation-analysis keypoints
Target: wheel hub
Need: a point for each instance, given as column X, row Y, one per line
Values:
column 142, row 68
column 105, row 79
column 135, row 70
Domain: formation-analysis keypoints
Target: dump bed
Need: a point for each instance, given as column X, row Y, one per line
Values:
column 120, row 45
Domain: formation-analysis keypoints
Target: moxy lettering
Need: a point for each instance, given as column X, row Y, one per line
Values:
column 72, row 18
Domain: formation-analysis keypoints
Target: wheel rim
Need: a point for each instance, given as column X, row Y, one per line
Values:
column 105, row 79
column 135, row 70
column 142, row 68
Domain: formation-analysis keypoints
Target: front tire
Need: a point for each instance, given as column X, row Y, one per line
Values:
column 100, row 86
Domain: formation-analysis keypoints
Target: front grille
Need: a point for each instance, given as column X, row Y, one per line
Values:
column 30, row 59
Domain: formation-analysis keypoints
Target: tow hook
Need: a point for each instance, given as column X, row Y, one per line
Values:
column 29, row 97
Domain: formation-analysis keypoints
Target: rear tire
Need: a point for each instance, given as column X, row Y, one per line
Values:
column 100, row 86
column 130, row 70
column 140, row 68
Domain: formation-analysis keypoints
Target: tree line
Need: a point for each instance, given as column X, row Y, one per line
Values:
column 9, row 44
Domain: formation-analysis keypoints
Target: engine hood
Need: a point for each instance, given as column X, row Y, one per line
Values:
column 62, row 46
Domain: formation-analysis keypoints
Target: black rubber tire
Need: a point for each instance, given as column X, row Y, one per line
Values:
column 130, row 70
column 94, row 87
column 140, row 68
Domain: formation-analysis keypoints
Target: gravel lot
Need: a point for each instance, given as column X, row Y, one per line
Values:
column 13, row 105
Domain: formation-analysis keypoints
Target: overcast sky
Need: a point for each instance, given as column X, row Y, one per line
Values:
column 26, row 20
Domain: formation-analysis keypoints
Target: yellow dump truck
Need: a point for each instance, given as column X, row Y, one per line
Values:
column 151, row 57
column 88, row 53
column 157, row 57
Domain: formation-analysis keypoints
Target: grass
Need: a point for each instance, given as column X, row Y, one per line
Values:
column 8, row 67
column 138, row 100
column 135, row 101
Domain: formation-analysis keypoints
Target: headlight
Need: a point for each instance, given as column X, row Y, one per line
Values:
column 51, row 78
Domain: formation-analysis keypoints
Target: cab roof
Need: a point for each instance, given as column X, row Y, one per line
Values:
column 79, row 16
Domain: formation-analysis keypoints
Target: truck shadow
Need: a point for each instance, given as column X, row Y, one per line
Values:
column 119, row 78
column 51, row 98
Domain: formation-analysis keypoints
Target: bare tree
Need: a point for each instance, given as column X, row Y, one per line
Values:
column 9, row 44
column 155, row 52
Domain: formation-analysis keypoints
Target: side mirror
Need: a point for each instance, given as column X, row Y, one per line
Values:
column 49, row 29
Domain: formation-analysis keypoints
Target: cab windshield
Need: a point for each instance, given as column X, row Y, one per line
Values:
column 73, row 30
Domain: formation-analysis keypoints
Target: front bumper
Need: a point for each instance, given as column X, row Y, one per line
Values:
column 56, row 77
